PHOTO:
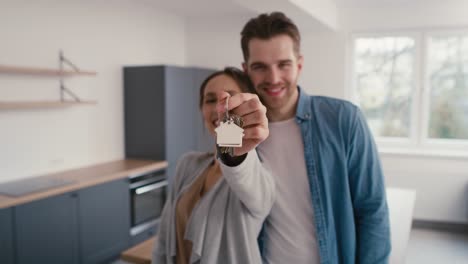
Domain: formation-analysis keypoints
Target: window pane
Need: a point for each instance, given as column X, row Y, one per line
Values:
column 448, row 83
column 384, row 75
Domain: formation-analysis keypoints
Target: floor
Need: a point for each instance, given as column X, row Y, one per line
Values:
column 430, row 247
column 434, row 247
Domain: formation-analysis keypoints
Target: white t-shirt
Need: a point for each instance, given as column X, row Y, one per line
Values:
column 290, row 235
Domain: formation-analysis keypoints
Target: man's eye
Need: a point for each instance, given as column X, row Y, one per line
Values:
column 258, row 67
column 284, row 65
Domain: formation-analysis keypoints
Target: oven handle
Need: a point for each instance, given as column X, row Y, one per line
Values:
column 151, row 187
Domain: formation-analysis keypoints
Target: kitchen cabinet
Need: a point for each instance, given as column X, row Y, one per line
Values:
column 104, row 217
column 85, row 221
column 47, row 230
column 162, row 116
column 91, row 225
column 6, row 237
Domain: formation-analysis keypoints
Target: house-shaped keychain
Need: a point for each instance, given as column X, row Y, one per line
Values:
column 228, row 134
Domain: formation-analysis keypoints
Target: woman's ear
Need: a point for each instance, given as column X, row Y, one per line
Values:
column 244, row 67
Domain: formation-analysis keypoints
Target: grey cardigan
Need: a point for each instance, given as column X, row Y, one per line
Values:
column 225, row 223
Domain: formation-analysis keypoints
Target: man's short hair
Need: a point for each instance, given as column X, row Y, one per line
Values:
column 266, row 26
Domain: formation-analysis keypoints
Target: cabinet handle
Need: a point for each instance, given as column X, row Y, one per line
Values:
column 151, row 187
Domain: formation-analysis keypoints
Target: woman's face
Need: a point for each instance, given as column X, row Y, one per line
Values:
column 219, row 83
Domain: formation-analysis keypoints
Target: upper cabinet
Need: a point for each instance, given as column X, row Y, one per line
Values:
column 61, row 73
column 162, row 115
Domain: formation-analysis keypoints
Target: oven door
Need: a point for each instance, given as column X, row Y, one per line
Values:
column 148, row 200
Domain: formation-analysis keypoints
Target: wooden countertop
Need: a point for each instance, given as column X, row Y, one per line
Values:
column 139, row 254
column 86, row 177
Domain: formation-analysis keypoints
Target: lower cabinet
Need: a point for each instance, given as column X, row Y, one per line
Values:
column 6, row 236
column 86, row 226
column 47, row 230
column 104, row 221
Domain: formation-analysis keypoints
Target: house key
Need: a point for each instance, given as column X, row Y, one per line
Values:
column 229, row 133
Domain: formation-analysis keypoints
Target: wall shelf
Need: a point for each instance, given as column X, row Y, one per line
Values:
column 41, row 104
column 42, row 71
column 61, row 73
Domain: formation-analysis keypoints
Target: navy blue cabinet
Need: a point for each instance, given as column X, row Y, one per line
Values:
column 91, row 225
column 47, row 230
column 104, row 217
column 6, row 236
column 162, row 115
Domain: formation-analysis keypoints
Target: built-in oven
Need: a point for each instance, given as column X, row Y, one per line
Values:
column 148, row 193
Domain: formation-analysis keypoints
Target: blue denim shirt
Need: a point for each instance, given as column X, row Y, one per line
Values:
column 346, row 182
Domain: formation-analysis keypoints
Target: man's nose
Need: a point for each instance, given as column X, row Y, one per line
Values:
column 273, row 76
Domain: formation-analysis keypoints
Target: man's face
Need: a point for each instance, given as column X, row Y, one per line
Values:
column 274, row 68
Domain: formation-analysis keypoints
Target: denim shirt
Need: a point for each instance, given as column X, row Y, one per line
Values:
column 346, row 182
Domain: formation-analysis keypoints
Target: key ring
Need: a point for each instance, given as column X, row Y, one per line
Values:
column 226, row 114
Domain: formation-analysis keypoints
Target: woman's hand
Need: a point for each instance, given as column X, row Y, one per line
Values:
column 253, row 113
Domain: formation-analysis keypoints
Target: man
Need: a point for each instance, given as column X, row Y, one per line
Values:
column 330, row 202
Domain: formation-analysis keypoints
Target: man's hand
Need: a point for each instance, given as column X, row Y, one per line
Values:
column 253, row 113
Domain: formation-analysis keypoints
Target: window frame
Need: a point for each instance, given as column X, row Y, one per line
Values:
column 418, row 141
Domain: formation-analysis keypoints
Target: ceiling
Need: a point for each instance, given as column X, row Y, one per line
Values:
column 316, row 15
column 213, row 8
column 200, row 8
column 390, row 3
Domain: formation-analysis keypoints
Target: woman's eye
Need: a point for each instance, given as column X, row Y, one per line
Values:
column 210, row 101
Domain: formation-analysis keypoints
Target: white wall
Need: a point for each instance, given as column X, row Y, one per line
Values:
column 215, row 43
column 418, row 14
column 441, row 183
column 96, row 35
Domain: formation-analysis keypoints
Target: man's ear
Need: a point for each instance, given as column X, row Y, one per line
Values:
column 300, row 62
column 244, row 67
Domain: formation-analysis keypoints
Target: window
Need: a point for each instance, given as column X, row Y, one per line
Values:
column 413, row 88
column 447, row 80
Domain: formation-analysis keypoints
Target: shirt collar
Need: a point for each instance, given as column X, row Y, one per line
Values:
column 303, row 112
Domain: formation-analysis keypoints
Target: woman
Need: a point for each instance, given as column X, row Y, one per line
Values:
column 214, row 212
